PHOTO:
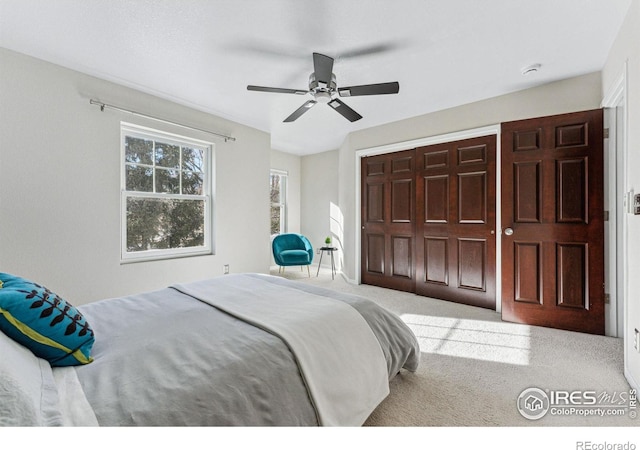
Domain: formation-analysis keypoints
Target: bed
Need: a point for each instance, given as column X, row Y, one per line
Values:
column 237, row 350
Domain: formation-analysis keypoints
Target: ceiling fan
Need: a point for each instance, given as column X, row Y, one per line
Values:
column 323, row 88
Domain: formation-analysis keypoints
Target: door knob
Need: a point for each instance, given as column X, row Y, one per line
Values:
column 508, row 231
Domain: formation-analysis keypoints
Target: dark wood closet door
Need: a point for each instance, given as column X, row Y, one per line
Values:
column 455, row 225
column 388, row 199
column 552, row 218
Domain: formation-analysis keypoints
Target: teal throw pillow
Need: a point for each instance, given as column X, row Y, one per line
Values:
column 44, row 322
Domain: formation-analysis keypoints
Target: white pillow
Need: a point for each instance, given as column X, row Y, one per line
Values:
column 28, row 394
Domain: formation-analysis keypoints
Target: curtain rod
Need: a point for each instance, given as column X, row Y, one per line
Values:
column 117, row 108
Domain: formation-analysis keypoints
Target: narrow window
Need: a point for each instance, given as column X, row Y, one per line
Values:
column 278, row 202
column 166, row 195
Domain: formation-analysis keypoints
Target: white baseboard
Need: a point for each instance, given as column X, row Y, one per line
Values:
column 347, row 279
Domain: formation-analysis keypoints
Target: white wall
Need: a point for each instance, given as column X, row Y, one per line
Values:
column 626, row 49
column 575, row 94
column 320, row 213
column 60, row 185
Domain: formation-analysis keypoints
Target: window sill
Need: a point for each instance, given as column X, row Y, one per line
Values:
column 157, row 256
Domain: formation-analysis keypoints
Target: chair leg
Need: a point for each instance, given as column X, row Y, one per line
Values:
column 308, row 272
column 301, row 269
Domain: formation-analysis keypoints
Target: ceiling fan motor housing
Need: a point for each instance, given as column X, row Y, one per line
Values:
column 322, row 91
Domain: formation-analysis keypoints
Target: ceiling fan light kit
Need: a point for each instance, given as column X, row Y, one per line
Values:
column 324, row 89
column 322, row 96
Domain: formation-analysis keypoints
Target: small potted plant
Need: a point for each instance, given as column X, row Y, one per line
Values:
column 327, row 241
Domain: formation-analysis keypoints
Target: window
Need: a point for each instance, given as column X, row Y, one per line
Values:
column 278, row 202
column 166, row 195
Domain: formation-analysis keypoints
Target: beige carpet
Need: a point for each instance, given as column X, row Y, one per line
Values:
column 474, row 366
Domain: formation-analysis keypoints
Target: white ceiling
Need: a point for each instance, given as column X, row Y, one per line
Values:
column 204, row 53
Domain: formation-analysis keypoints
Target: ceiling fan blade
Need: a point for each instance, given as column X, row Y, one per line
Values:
column 345, row 110
column 276, row 90
column 300, row 111
column 366, row 51
column 322, row 67
column 370, row 89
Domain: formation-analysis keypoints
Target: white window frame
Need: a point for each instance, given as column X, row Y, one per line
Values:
column 284, row 175
column 132, row 130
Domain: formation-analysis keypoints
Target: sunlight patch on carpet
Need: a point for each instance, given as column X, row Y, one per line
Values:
column 474, row 339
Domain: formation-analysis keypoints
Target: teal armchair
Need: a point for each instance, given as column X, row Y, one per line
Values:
column 292, row 249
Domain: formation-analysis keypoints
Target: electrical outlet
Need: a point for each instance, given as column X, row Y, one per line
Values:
column 226, row 269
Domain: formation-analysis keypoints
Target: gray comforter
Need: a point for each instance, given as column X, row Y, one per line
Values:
column 166, row 358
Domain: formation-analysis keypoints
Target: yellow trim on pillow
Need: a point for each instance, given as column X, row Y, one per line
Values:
column 39, row 338
column 0, row 284
column 81, row 358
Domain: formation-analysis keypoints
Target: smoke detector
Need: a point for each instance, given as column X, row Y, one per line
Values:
column 533, row 68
